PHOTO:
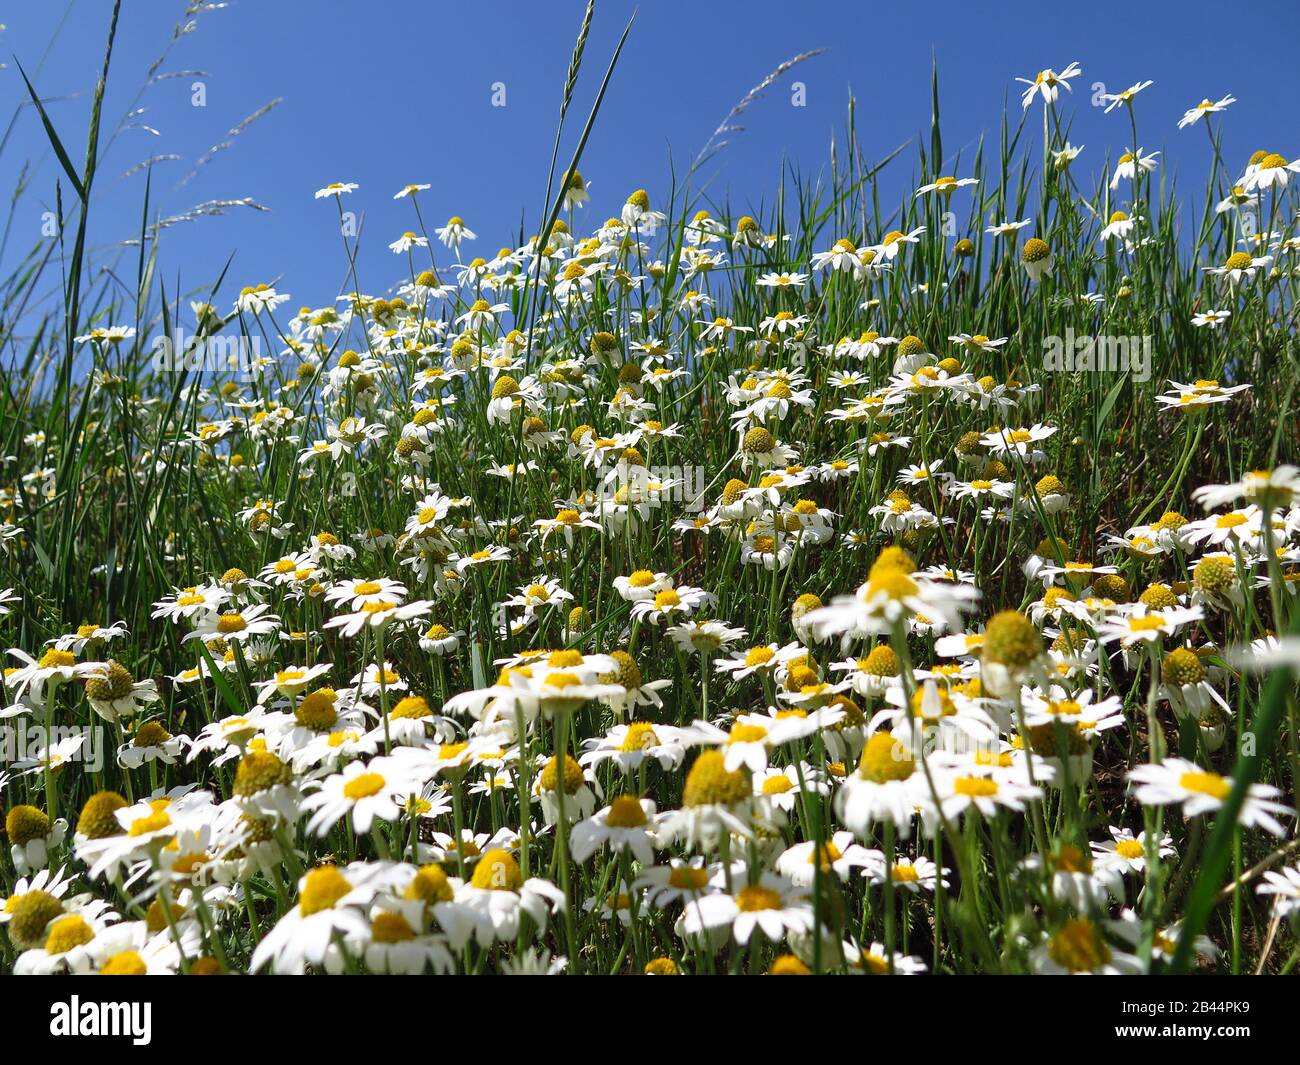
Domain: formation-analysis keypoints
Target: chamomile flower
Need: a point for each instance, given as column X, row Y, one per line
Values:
column 945, row 185
column 715, row 801
column 410, row 190
column 888, row 785
column 630, row 746
column 782, row 789
column 1284, row 887
column 913, row 875
column 454, row 232
column 1272, row 170
column 1119, row 226
column 363, row 793
column 1142, row 624
column 1125, row 97
column 1007, row 229
column 876, row 960
column 626, row 824
column 52, row 669
column 1127, row 852
column 114, row 693
column 670, row 604
column 776, row 280
column 1131, row 164
column 1048, row 84
column 1205, row 108
column 890, row 595
column 983, row 793
column 704, row 637
column 839, row 856
column 497, row 897
column 378, row 615
column 71, row 944
column 407, row 241
column 678, row 881
column 1079, row 947
column 110, row 335
column 761, row 658
column 331, row 902
column 189, row 603
column 1211, row 319
column 337, row 189
column 770, row 906
column 1198, row 394
column 1176, row 781
column 32, row 836
column 291, row 681
column 641, row 585
column 1239, row 266
column 235, row 626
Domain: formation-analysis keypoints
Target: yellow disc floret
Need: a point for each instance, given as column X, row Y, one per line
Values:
column 497, row 870
column 710, row 784
column 321, row 889
column 884, row 759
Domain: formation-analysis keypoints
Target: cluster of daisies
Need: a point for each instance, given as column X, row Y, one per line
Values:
column 656, row 601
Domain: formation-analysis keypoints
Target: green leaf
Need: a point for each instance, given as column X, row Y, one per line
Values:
column 55, row 142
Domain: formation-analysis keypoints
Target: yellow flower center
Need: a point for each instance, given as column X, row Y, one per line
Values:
column 56, row 659
column 25, row 824
column 389, row 927
column 497, row 870
column 640, row 735
column 67, row 933
column 892, row 583
column 125, row 963
column 754, row 898
column 742, row 733
column 1129, row 848
column 363, row 785
column 151, row 822
column 1078, row 947
column 625, row 812
column 975, row 787
column 429, row 885
column 688, row 878
column 323, row 887
column 1210, row 784
column 885, row 759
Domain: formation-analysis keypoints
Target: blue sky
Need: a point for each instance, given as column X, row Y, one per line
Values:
column 389, row 93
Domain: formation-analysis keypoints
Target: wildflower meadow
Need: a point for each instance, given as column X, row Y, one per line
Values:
column 898, row 578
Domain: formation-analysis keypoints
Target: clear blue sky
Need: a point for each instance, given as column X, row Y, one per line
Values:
column 389, row 93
